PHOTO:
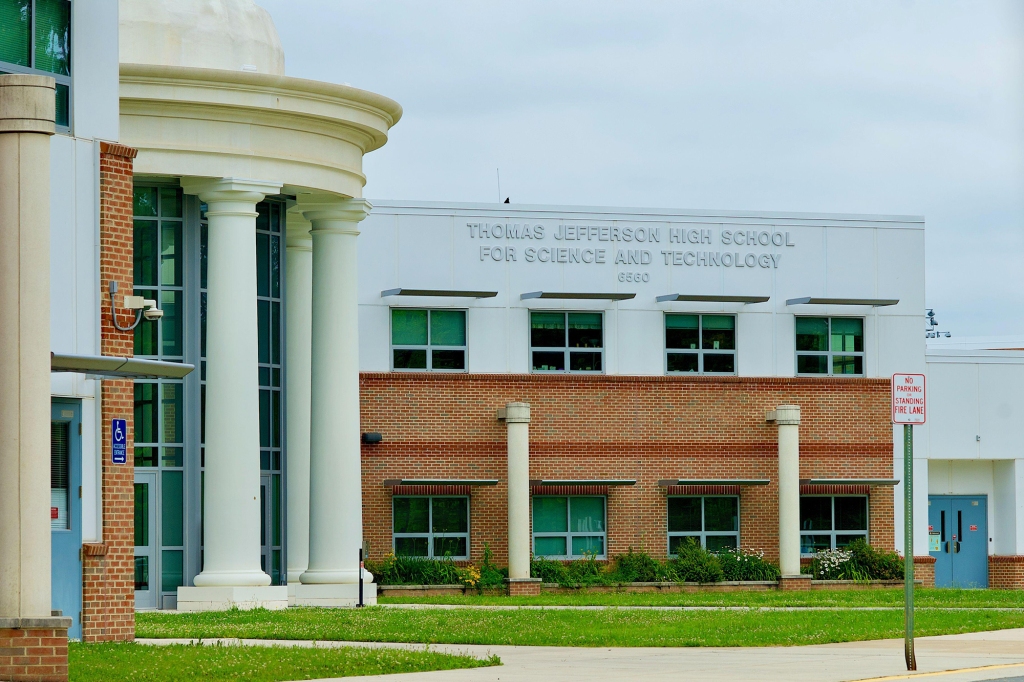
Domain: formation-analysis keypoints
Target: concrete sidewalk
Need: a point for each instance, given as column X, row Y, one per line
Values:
column 997, row 655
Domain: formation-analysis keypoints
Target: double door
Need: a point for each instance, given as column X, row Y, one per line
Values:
column 958, row 539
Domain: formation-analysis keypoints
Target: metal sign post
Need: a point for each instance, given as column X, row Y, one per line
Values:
column 908, row 408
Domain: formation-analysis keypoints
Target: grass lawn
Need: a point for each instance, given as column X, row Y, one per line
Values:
column 611, row 627
column 874, row 597
column 141, row 663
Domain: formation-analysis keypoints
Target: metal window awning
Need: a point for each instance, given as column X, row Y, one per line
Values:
column 850, row 481
column 579, row 296
column 701, row 298
column 598, row 481
column 113, row 366
column 393, row 482
column 665, row 483
column 450, row 293
column 814, row 300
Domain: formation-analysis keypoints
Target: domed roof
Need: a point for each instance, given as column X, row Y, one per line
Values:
column 235, row 35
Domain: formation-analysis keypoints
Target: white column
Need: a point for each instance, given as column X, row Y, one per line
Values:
column 335, row 489
column 26, row 123
column 298, row 321
column 231, row 554
column 788, row 419
column 517, row 421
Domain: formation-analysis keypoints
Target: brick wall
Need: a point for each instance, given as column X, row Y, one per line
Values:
column 34, row 654
column 924, row 570
column 1006, row 572
column 108, row 601
column 609, row 427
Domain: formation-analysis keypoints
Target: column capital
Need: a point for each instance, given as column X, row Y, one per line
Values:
column 214, row 190
column 27, row 104
column 325, row 212
column 517, row 413
column 297, row 235
column 784, row 415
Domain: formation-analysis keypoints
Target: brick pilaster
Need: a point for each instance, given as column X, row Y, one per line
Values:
column 108, row 599
column 34, row 649
column 1006, row 572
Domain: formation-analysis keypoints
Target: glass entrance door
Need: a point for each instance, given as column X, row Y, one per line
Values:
column 146, row 569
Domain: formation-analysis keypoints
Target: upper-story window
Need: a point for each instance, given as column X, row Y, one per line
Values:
column 432, row 340
column 35, row 38
column 566, row 342
column 700, row 343
column 830, row 345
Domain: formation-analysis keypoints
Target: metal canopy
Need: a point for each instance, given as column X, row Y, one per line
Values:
column 112, row 366
column 451, row 293
column 617, row 481
column 590, row 296
column 849, row 481
column 713, row 299
column 664, row 483
column 392, row 482
column 812, row 300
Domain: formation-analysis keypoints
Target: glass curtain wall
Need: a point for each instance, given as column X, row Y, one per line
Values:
column 170, row 248
column 35, row 38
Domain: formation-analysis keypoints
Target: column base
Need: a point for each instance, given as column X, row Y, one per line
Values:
column 523, row 587
column 34, row 649
column 795, row 582
column 225, row 598
column 339, row 595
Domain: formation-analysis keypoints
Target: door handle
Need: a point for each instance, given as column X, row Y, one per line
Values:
column 947, row 547
column 956, row 547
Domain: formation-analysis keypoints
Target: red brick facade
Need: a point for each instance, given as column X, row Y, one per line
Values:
column 612, row 427
column 1006, row 572
column 34, row 654
column 108, row 569
column 924, row 570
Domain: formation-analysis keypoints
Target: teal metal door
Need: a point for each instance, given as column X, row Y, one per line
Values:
column 66, row 511
column 958, row 539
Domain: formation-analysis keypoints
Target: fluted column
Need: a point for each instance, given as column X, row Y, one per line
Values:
column 26, row 124
column 298, row 327
column 335, row 491
column 231, row 526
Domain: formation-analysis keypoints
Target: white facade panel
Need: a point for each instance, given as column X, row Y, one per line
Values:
column 94, row 60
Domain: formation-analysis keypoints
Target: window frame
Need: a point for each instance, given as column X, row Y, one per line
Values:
column 429, row 347
column 430, row 535
column 60, row 79
column 700, row 351
column 569, row 534
column 866, row 533
column 669, row 534
column 830, row 354
column 567, row 349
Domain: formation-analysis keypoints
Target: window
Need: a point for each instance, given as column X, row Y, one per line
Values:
column 35, row 38
column 713, row 522
column 562, row 342
column 700, row 343
column 832, row 522
column 568, row 527
column 433, row 340
column 830, row 345
column 431, row 527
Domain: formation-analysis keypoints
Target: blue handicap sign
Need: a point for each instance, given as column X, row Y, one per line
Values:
column 119, row 441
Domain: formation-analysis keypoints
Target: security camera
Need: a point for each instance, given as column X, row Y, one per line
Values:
column 152, row 314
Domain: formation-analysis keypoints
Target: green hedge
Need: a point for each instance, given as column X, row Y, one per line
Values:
column 857, row 561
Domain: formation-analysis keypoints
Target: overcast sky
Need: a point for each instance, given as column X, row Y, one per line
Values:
column 860, row 107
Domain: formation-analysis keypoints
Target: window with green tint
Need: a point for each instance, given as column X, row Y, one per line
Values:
column 172, row 507
column 53, row 36
column 158, row 243
column 173, row 412
column 172, row 573
column 711, row 521
column 141, row 518
column 569, row 526
column 432, row 527
column 35, row 38
column 832, row 521
column 566, row 342
column 147, row 417
column 700, row 344
column 830, row 345
column 428, row 340
column 15, row 31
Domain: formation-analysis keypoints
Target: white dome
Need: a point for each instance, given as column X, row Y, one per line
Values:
column 235, row 35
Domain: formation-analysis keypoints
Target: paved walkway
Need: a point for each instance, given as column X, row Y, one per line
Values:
column 995, row 655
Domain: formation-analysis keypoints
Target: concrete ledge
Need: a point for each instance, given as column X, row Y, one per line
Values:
column 191, row 599
column 342, row 595
column 42, row 623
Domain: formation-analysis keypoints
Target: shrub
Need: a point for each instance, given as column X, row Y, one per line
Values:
column 835, row 564
column 398, row 570
column 740, row 565
column 575, row 573
column 694, row 564
column 639, row 567
column 877, row 565
column 491, row 575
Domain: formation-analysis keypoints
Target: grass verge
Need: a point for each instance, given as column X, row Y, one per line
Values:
column 141, row 663
column 929, row 598
column 610, row 627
